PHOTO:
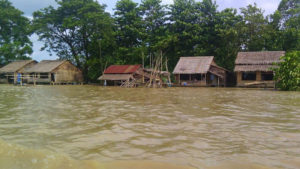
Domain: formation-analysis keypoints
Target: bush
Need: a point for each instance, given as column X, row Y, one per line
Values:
column 287, row 75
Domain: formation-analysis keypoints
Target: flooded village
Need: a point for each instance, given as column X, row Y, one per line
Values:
column 149, row 84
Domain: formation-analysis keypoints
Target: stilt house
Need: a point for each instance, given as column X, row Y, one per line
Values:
column 55, row 72
column 14, row 71
column 255, row 68
column 199, row 71
column 130, row 75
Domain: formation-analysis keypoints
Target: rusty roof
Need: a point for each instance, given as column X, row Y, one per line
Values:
column 193, row 65
column 122, row 69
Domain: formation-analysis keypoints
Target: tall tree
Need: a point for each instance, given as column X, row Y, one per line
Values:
column 78, row 30
column 227, row 39
column 254, row 28
column 184, row 29
column 154, row 24
column 289, row 11
column 14, row 34
column 129, row 32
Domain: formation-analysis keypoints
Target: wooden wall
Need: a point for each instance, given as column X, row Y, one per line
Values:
column 243, row 83
column 68, row 73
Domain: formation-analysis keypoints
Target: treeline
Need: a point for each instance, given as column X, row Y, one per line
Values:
column 83, row 32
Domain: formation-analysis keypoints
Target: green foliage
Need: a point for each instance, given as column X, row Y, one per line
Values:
column 81, row 31
column 254, row 28
column 78, row 30
column 14, row 34
column 128, row 29
column 287, row 74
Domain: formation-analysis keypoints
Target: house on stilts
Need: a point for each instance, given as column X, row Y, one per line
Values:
column 14, row 71
column 199, row 71
column 125, row 75
column 254, row 69
column 54, row 72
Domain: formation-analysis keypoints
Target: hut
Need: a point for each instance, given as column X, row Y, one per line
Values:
column 125, row 75
column 12, row 72
column 255, row 68
column 199, row 71
column 55, row 72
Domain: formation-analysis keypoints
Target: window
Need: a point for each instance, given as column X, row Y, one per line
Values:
column 267, row 76
column 249, row 76
column 184, row 77
column 196, row 77
column 44, row 75
column 2, row 76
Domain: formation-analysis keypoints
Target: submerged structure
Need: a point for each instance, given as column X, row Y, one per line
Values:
column 199, row 71
column 14, row 71
column 255, row 68
column 125, row 75
column 54, row 72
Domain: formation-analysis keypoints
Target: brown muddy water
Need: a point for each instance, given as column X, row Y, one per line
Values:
column 93, row 127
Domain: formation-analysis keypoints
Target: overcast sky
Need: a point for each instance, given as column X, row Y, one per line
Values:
column 29, row 6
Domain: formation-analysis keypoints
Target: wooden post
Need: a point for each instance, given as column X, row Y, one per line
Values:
column 218, row 81
column 179, row 78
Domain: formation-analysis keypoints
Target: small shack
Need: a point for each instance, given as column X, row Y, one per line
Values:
column 54, row 72
column 125, row 75
column 254, row 69
column 13, row 72
column 199, row 71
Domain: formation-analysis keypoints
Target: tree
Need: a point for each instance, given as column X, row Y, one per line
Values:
column 129, row 32
column 227, row 39
column 287, row 74
column 289, row 11
column 14, row 34
column 184, row 28
column 155, row 37
column 78, row 30
column 254, row 28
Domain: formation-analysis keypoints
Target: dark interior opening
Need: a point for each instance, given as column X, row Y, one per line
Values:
column 52, row 77
column 267, row 76
column 196, row 77
column 184, row 77
column 2, row 76
column 249, row 76
column 44, row 75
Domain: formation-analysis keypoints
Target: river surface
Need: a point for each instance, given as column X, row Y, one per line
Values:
column 93, row 127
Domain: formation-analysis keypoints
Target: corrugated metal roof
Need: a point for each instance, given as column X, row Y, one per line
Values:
column 15, row 66
column 122, row 69
column 45, row 66
column 193, row 65
column 255, row 58
column 115, row 77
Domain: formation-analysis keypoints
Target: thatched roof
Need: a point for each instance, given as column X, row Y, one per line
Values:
column 256, row 58
column 115, row 77
column 253, row 68
column 45, row 66
column 193, row 65
column 16, row 66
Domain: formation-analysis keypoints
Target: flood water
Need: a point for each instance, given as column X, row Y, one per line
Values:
column 93, row 127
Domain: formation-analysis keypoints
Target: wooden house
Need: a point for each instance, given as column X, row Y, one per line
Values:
column 199, row 71
column 55, row 72
column 13, row 71
column 255, row 68
column 130, row 75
